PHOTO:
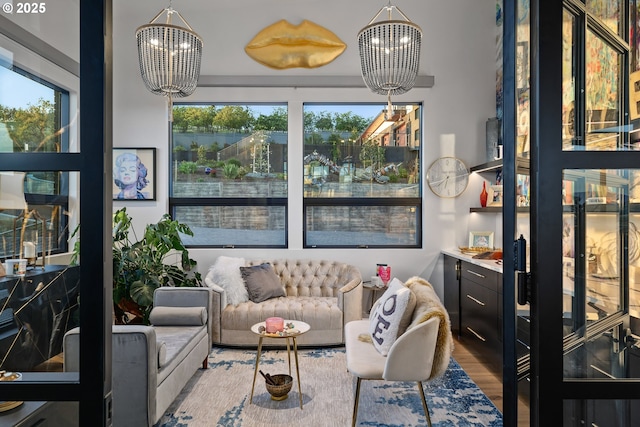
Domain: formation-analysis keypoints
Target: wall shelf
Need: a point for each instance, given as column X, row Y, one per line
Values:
column 522, row 166
column 496, row 209
column 596, row 208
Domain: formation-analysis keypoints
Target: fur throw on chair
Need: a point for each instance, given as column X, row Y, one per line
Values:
column 429, row 305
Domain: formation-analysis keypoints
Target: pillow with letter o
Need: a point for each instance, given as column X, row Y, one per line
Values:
column 391, row 315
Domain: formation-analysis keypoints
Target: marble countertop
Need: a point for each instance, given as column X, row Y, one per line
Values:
column 489, row 264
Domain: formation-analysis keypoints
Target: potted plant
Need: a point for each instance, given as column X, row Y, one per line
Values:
column 141, row 266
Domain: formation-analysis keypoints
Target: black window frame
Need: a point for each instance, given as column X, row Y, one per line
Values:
column 411, row 202
column 61, row 199
column 178, row 202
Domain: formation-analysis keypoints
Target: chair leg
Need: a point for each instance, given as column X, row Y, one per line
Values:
column 355, row 403
column 424, row 404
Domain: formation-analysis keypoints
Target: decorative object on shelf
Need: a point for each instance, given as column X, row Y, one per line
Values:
column 134, row 174
column 473, row 250
column 481, row 239
column 29, row 227
column 390, row 54
column 384, row 273
column 494, row 142
column 522, row 191
column 170, row 56
column 9, row 376
column 496, row 195
column 447, row 177
column 16, row 267
column 284, row 45
column 484, row 195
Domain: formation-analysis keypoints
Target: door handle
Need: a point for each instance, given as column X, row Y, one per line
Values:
column 477, row 301
column 523, row 278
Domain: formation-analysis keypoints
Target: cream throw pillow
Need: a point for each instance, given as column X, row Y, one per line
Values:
column 225, row 272
column 391, row 315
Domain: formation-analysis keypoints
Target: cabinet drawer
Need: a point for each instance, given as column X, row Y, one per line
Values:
column 480, row 316
column 482, row 276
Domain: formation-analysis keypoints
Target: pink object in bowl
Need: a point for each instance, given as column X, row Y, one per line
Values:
column 274, row 324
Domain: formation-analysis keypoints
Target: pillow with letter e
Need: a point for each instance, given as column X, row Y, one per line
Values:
column 391, row 315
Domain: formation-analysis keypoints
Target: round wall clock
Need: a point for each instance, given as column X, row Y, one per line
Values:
column 448, row 177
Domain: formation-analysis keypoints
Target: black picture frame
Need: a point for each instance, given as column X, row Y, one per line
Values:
column 142, row 161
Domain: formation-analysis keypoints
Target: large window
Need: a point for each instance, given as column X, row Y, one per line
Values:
column 229, row 174
column 362, row 176
column 33, row 205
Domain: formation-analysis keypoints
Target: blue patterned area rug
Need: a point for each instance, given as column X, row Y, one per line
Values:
column 219, row 396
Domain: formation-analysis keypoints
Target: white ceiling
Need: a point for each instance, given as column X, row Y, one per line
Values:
column 227, row 26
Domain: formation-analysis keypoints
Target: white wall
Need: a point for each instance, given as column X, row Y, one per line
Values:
column 458, row 49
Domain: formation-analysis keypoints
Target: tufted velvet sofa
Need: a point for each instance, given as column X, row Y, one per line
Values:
column 324, row 294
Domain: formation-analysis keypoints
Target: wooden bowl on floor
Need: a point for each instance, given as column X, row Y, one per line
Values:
column 281, row 389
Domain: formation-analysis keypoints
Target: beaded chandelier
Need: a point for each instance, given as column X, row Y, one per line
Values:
column 169, row 56
column 390, row 53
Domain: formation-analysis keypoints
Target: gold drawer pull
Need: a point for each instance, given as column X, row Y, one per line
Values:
column 477, row 301
column 480, row 337
column 476, row 274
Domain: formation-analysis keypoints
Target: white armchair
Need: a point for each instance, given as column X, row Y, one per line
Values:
column 410, row 358
column 420, row 354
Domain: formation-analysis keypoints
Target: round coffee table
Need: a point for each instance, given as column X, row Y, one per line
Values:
column 289, row 335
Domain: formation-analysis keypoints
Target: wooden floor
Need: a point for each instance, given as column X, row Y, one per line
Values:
column 488, row 382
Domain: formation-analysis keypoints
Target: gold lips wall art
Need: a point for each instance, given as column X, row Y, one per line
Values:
column 284, row 45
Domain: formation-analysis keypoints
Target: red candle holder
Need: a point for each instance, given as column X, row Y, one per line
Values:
column 274, row 324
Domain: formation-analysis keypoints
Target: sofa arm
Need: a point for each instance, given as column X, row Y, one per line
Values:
column 350, row 301
column 134, row 371
column 219, row 303
column 168, row 296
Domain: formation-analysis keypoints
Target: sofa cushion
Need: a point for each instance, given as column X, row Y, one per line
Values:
column 178, row 316
column 179, row 341
column 162, row 353
column 391, row 315
column 262, row 282
column 321, row 313
column 225, row 272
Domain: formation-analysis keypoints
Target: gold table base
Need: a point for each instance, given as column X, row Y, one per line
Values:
column 295, row 353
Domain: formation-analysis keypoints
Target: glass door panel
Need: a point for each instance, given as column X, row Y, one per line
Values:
column 609, row 12
column 603, row 74
column 595, row 219
column 583, row 238
column 569, row 68
column 601, row 413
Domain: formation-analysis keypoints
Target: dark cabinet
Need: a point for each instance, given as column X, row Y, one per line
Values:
column 36, row 311
column 452, row 292
column 473, row 298
column 479, row 311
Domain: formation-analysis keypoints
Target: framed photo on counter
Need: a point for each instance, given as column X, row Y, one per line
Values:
column 481, row 239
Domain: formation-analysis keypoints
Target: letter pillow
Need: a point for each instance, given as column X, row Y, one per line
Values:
column 391, row 315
